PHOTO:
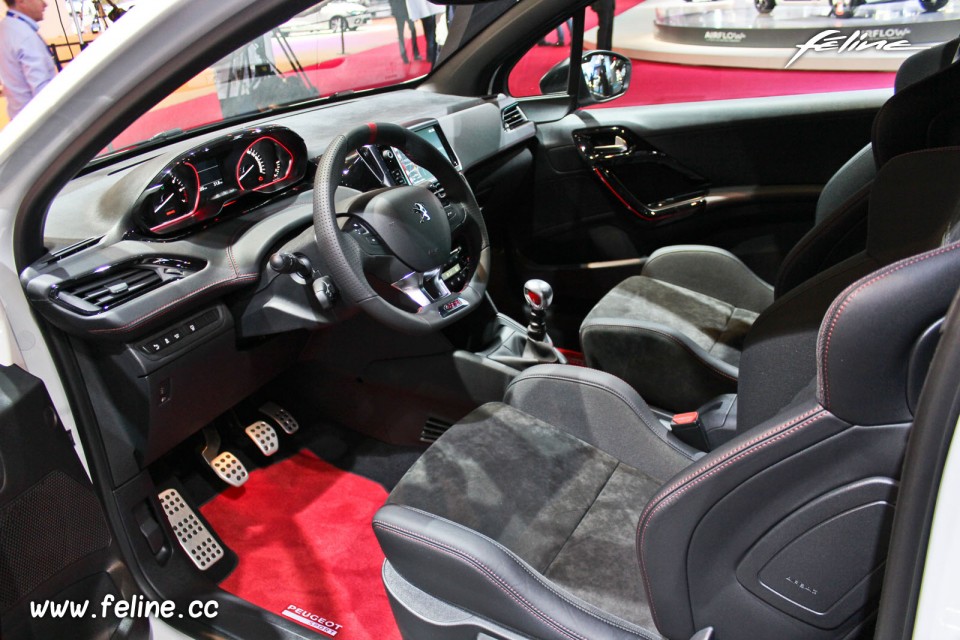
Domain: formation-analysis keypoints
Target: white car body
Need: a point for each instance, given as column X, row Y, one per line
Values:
column 331, row 16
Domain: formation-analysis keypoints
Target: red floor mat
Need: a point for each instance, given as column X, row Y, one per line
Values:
column 301, row 529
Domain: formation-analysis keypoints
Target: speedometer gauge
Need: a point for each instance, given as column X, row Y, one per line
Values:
column 264, row 163
column 175, row 197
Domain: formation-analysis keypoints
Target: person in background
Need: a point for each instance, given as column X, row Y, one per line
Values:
column 399, row 10
column 26, row 65
column 426, row 13
column 604, row 10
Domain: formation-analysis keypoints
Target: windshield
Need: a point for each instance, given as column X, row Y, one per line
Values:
column 333, row 48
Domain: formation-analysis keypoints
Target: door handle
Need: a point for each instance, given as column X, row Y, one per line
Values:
column 619, row 146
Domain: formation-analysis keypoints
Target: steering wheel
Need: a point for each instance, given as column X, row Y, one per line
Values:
column 387, row 250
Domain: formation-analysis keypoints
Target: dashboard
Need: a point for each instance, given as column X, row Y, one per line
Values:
column 159, row 272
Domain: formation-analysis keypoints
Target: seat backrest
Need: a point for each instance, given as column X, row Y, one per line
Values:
column 839, row 229
column 782, row 532
column 912, row 205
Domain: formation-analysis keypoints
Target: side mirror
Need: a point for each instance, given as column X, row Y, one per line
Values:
column 606, row 76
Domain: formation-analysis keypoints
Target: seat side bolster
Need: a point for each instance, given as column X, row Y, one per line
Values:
column 603, row 411
column 637, row 352
column 665, row 529
column 710, row 271
column 488, row 580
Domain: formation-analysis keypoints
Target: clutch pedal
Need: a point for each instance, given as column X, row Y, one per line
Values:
column 201, row 547
column 281, row 416
column 264, row 436
column 225, row 464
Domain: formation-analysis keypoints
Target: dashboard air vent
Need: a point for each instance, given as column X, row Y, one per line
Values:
column 111, row 286
column 512, row 117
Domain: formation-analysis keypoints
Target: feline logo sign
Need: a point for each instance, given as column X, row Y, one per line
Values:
column 833, row 41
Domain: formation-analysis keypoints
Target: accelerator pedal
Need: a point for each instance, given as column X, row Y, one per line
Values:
column 201, row 547
column 264, row 436
column 225, row 464
column 281, row 416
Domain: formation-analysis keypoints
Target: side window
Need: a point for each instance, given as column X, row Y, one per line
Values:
column 529, row 76
column 699, row 51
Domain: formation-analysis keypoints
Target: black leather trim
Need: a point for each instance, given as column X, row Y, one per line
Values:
column 662, row 562
column 476, row 573
column 866, row 336
column 904, row 122
column 817, row 250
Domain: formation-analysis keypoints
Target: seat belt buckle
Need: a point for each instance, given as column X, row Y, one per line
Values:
column 688, row 428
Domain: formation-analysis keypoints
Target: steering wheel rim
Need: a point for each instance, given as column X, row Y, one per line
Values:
column 345, row 257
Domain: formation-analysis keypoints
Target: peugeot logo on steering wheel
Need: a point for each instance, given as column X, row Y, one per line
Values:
column 421, row 210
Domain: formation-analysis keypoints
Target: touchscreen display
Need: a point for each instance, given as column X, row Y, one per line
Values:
column 414, row 173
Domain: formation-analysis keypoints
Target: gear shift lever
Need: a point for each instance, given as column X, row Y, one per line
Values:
column 539, row 295
column 523, row 349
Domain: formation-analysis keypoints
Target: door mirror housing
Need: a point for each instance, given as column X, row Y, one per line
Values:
column 606, row 76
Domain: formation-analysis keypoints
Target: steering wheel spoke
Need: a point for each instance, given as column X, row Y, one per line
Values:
column 424, row 289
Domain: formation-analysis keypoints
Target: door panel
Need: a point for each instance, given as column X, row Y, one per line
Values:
column 55, row 543
column 745, row 172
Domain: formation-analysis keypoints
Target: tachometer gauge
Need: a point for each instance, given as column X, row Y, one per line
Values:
column 264, row 163
column 175, row 197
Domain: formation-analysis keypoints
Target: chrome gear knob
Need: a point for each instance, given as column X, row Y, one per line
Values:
column 539, row 294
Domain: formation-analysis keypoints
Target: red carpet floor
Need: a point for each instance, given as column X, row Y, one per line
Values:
column 301, row 529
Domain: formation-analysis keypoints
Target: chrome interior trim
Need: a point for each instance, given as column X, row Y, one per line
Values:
column 413, row 285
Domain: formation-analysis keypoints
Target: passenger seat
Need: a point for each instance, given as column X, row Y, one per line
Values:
column 677, row 332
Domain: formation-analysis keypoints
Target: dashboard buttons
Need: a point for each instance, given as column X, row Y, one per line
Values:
column 157, row 345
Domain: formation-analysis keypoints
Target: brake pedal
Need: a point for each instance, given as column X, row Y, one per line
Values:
column 201, row 547
column 282, row 417
column 225, row 464
column 264, row 436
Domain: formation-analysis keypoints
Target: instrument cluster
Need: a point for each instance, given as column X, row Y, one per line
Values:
column 238, row 169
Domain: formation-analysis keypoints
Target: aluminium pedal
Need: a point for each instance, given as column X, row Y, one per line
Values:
column 264, row 436
column 225, row 464
column 229, row 469
column 200, row 545
column 281, row 416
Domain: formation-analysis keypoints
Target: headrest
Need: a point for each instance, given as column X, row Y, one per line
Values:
column 906, row 221
column 868, row 336
column 925, row 63
column 924, row 115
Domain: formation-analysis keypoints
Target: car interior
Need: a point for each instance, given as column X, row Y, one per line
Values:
column 439, row 362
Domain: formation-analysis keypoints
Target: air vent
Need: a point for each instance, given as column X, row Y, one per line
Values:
column 110, row 286
column 512, row 117
column 433, row 429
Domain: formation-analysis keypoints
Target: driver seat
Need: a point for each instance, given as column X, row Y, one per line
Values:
column 679, row 331
column 568, row 512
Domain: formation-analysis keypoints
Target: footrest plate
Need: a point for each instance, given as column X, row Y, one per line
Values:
column 200, row 545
